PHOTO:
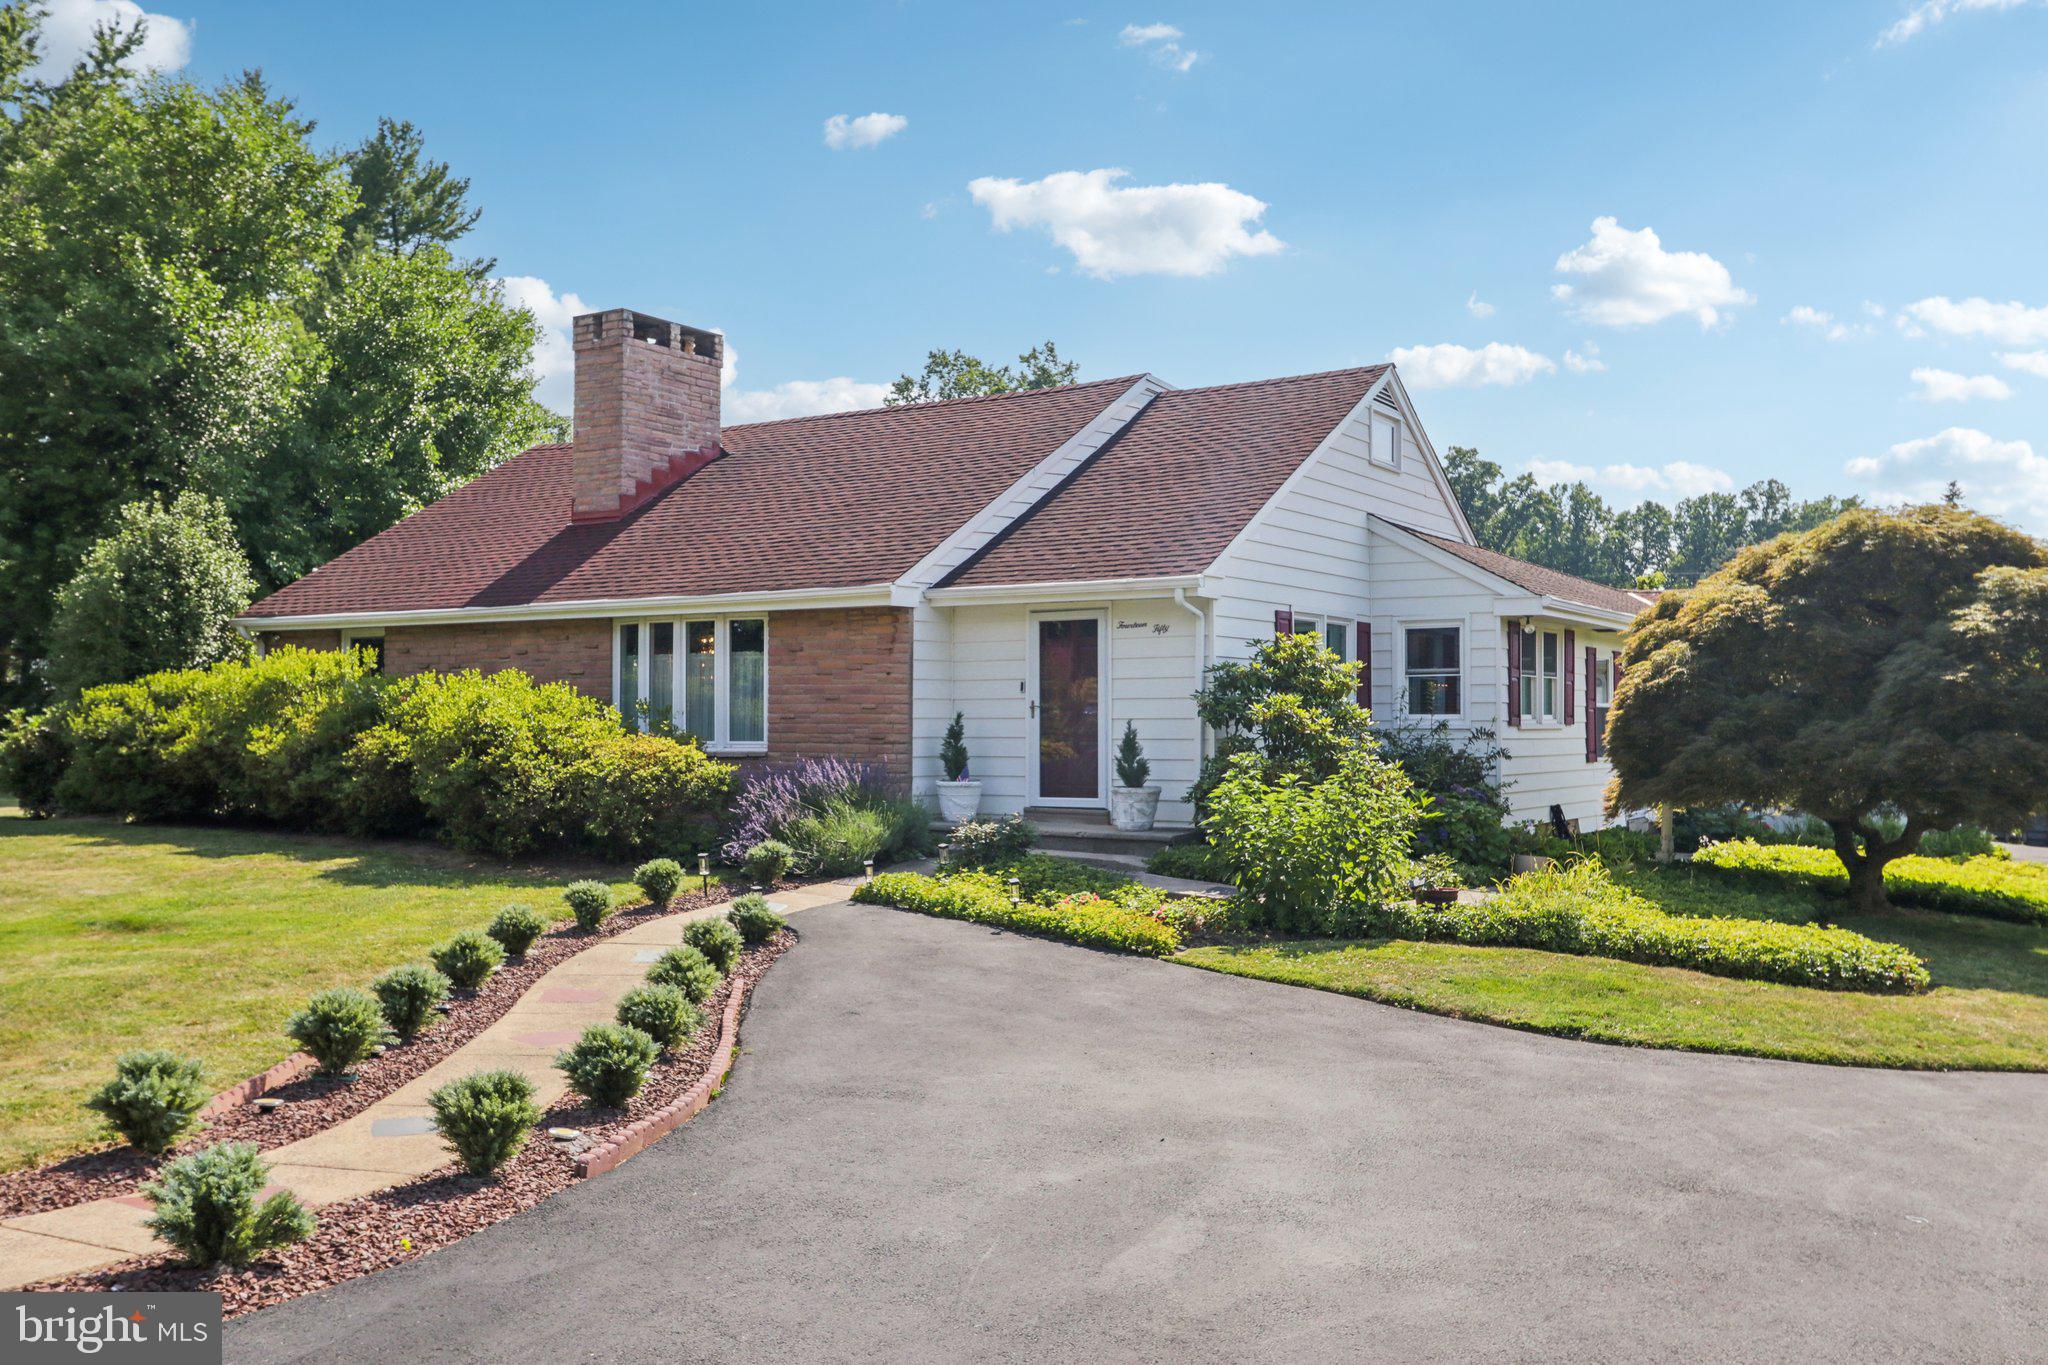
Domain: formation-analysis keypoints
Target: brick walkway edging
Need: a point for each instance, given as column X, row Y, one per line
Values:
column 646, row 1132
column 295, row 1067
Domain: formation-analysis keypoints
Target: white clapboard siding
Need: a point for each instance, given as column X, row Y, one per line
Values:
column 1547, row 765
column 931, row 693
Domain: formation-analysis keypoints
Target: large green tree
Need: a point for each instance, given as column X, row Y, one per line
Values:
column 403, row 200
column 183, row 307
column 956, row 374
column 1882, row 665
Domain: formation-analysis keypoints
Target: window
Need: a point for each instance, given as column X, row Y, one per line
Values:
column 1603, row 682
column 1603, row 693
column 1541, row 686
column 1336, row 633
column 714, row 687
column 1434, row 671
column 1386, row 441
column 372, row 645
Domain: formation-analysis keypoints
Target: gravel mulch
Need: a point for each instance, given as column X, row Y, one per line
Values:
column 320, row 1102
column 378, row 1231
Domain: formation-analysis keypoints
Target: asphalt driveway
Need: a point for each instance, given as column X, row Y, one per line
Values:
column 944, row 1143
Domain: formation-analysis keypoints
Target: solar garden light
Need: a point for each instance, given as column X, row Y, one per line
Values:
column 944, row 850
column 870, row 866
column 704, row 869
column 1016, row 890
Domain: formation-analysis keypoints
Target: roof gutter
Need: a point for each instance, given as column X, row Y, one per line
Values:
column 1557, row 608
column 998, row 593
column 813, row 599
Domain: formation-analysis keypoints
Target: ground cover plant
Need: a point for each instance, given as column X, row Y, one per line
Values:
column 987, row 898
column 109, row 933
column 1996, row 888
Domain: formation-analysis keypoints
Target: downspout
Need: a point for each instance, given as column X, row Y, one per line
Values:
column 1180, row 597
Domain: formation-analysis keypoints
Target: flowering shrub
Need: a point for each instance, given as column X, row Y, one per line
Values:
column 834, row 813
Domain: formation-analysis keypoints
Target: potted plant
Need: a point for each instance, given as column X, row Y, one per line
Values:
column 1132, row 804
column 959, row 795
column 1437, row 880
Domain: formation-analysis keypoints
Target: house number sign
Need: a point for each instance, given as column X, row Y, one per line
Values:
column 1146, row 627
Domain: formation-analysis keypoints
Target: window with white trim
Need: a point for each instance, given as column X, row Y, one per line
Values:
column 1335, row 632
column 1542, row 685
column 1433, row 670
column 1386, row 441
column 702, row 676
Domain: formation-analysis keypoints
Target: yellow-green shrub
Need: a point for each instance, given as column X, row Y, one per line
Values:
column 984, row 898
column 1993, row 888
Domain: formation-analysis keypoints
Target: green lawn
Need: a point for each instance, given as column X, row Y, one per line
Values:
column 1988, row 1008
column 201, row 940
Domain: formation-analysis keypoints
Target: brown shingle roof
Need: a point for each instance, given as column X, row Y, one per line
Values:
column 1539, row 580
column 842, row 500
column 1169, row 492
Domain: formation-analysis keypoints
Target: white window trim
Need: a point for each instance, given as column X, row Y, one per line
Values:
column 1372, row 443
column 1322, row 624
column 721, row 675
column 1539, row 720
column 1400, row 646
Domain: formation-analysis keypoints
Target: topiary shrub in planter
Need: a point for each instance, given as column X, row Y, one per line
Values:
column 608, row 1064
column 339, row 1028
column 485, row 1118
column 959, row 795
column 407, row 995
column 515, row 928
column 590, row 901
column 716, row 939
column 660, row 878
column 663, row 1013
column 688, row 970
column 153, row 1100
column 769, row 861
column 469, row 958
column 1132, row 804
column 205, row 1207
column 753, row 919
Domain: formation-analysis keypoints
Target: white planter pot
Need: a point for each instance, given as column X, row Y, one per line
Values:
column 959, row 802
column 1133, row 807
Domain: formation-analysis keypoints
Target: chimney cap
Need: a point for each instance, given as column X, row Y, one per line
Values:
column 626, row 323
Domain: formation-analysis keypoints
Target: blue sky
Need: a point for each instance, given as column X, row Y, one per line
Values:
column 1809, row 204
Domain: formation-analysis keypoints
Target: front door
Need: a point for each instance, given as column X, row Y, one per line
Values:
column 1066, row 709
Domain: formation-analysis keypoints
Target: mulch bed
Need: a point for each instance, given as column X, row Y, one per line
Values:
column 378, row 1231
column 319, row 1102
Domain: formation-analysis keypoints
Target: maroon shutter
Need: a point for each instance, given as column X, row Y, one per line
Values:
column 1592, row 708
column 1564, row 666
column 1364, row 664
column 1283, row 622
column 1514, row 674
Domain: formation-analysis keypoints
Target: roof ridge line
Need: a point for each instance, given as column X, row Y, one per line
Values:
column 940, row 402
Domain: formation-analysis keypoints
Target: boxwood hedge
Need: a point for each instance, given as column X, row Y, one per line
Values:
column 1991, row 888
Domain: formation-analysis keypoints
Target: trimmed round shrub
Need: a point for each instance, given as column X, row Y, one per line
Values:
column 663, row 1013
column 753, row 919
column 590, row 901
column 206, row 1207
column 339, row 1028
column 660, row 878
column 608, row 1064
column 716, row 939
column 486, row 1118
column 407, row 995
column 769, row 861
column 468, row 958
column 154, row 1098
column 688, row 970
column 516, row 927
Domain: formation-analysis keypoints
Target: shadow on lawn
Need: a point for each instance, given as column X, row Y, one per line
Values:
column 379, row 863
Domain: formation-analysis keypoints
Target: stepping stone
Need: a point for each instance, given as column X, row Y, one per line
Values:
column 406, row 1125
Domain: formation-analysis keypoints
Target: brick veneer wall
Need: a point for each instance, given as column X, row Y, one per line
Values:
column 838, row 681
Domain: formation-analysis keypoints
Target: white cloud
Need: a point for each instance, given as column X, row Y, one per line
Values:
column 843, row 132
column 2013, row 323
column 1162, row 43
column 792, row 398
column 1627, row 279
column 1872, row 310
column 1588, row 362
column 1821, row 321
column 1477, row 307
column 1140, row 230
column 2026, row 362
column 1946, row 386
column 1453, row 366
column 67, row 34
column 2004, row 478
column 554, row 360
column 1931, row 12
column 1676, row 478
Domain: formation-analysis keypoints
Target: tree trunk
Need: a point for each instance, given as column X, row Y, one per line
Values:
column 1866, row 884
column 1865, row 853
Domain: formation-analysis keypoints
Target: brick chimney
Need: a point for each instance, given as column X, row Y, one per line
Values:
column 646, row 409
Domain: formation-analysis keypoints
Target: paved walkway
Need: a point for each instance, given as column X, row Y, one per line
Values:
column 948, row 1143
column 393, row 1140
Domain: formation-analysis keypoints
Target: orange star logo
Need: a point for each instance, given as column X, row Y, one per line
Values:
column 136, row 1316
